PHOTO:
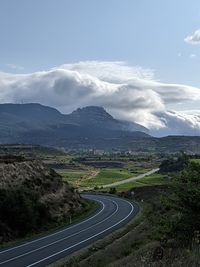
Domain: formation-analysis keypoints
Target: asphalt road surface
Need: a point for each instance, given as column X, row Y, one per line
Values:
column 113, row 213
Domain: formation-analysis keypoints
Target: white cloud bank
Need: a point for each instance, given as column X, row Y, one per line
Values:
column 130, row 93
column 194, row 38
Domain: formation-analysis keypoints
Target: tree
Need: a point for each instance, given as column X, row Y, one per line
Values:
column 174, row 165
column 21, row 211
column 187, row 191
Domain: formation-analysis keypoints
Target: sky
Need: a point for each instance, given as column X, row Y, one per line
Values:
column 144, row 55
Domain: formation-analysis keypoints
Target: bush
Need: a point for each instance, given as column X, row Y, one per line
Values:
column 112, row 190
column 187, row 190
column 21, row 211
column 182, row 219
column 174, row 165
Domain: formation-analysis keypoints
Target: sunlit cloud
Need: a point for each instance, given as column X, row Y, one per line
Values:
column 194, row 38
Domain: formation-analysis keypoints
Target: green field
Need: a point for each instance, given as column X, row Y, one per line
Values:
column 153, row 179
column 106, row 176
column 128, row 186
column 96, row 171
column 196, row 160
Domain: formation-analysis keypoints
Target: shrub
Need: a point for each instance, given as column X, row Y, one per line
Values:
column 112, row 190
column 21, row 211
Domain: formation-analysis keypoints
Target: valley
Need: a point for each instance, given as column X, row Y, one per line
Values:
column 95, row 169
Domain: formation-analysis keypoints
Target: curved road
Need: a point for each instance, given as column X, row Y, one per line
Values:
column 111, row 215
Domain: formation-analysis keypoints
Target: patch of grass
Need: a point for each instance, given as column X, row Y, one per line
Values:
column 196, row 160
column 107, row 176
column 154, row 179
column 128, row 186
column 73, row 176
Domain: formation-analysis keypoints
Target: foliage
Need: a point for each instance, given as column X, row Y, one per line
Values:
column 174, row 164
column 187, row 190
column 112, row 190
column 21, row 211
column 179, row 214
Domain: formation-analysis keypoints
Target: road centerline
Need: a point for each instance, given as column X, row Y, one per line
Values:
column 85, row 240
column 64, row 238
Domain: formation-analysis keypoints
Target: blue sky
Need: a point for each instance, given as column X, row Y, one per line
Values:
column 140, row 59
column 38, row 35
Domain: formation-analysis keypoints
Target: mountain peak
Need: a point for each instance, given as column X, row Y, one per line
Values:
column 96, row 112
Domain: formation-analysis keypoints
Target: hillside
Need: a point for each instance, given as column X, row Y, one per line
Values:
column 38, row 124
column 168, row 144
column 89, row 127
column 34, row 195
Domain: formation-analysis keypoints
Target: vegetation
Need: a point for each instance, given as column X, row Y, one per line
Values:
column 141, row 243
column 167, row 232
column 128, row 186
column 187, row 191
column 32, row 196
column 89, row 170
column 196, row 160
column 74, row 177
column 174, row 164
column 107, row 176
column 155, row 179
column 21, row 212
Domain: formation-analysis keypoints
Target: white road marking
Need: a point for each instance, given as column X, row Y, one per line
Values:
column 61, row 231
column 59, row 252
column 64, row 238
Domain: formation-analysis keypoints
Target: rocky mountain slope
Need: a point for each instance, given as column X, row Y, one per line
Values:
column 38, row 124
column 89, row 127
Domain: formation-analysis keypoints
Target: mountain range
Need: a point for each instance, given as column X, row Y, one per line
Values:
column 37, row 124
column 88, row 127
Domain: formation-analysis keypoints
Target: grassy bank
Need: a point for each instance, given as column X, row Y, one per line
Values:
column 153, row 179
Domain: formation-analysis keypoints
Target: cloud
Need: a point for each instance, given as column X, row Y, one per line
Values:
column 111, row 71
column 194, row 38
column 130, row 93
column 15, row 67
column 193, row 56
column 178, row 123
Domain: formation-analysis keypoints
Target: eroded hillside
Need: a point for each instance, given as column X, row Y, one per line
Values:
column 31, row 195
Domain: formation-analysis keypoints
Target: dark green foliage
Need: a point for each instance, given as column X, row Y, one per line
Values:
column 112, row 190
column 174, row 165
column 179, row 214
column 187, row 190
column 21, row 211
